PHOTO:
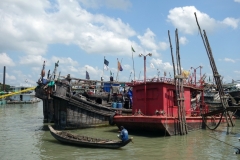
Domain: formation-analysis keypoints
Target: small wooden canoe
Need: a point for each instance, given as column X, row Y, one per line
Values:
column 68, row 138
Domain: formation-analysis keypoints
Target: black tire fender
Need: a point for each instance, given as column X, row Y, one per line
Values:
column 111, row 119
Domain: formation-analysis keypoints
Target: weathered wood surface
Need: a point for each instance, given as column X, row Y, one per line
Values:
column 72, row 111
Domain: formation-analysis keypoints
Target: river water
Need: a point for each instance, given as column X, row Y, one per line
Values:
column 24, row 136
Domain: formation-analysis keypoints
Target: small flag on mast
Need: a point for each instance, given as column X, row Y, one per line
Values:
column 87, row 75
column 106, row 63
column 119, row 66
column 133, row 49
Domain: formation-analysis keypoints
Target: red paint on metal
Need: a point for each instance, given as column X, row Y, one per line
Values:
column 155, row 108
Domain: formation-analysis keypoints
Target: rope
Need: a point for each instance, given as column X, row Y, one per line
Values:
column 214, row 137
column 224, row 142
column 216, row 125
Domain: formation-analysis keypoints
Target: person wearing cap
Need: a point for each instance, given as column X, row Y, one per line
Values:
column 124, row 134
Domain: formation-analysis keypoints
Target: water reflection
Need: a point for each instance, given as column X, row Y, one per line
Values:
column 24, row 136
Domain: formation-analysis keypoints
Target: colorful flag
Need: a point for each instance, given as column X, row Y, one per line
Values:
column 133, row 49
column 106, row 63
column 119, row 66
column 87, row 75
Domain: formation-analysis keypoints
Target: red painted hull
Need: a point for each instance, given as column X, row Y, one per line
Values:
column 160, row 124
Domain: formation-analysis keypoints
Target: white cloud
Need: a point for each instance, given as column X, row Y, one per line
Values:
column 237, row 1
column 231, row 22
column 229, row 60
column 71, row 69
column 119, row 4
column 127, row 67
column 32, row 60
column 163, row 45
column 147, row 40
column 184, row 19
column 238, row 72
column 6, row 60
column 31, row 27
column 152, row 65
column 64, row 60
column 183, row 40
column 10, row 77
column 166, row 66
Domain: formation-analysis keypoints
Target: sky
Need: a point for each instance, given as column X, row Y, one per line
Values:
column 80, row 33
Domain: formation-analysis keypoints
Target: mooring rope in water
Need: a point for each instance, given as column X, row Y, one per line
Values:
column 217, row 138
column 198, row 129
column 224, row 142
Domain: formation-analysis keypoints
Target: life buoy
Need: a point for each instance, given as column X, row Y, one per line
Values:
column 111, row 119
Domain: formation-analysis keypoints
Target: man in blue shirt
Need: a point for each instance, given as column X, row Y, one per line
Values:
column 124, row 134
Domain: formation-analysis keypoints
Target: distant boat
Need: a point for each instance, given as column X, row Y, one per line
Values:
column 212, row 99
column 22, row 94
column 233, row 89
column 84, row 141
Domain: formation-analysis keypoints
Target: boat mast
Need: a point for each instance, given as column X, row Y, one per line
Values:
column 178, row 79
column 103, row 68
column 216, row 75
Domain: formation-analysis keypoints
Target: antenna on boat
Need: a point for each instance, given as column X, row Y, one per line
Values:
column 103, row 68
column 130, row 77
column 54, row 71
column 139, row 75
column 133, row 64
column 158, row 73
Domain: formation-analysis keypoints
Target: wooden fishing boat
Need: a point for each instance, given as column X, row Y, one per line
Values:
column 68, row 138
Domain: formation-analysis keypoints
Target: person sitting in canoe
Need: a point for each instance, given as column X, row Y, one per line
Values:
column 124, row 134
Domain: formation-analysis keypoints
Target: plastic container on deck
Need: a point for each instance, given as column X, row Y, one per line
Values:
column 114, row 104
column 119, row 105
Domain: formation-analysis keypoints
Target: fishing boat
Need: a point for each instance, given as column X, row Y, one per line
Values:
column 65, row 105
column 84, row 141
column 155, row 109
column 233, row 89
column 212, row 99
column 163, row 105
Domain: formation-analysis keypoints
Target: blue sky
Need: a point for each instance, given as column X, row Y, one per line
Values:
column 79, row 33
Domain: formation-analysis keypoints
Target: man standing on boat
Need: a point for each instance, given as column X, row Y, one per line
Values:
column 124, row 134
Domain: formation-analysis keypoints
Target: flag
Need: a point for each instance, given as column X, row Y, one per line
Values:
column 151, row 65
column 87, row 75
column 106, row 63
column 110, row 73
column 165, row 73
column 133, row 49
column 119, row 66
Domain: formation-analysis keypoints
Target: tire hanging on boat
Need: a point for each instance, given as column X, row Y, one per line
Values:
column 111, row 119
